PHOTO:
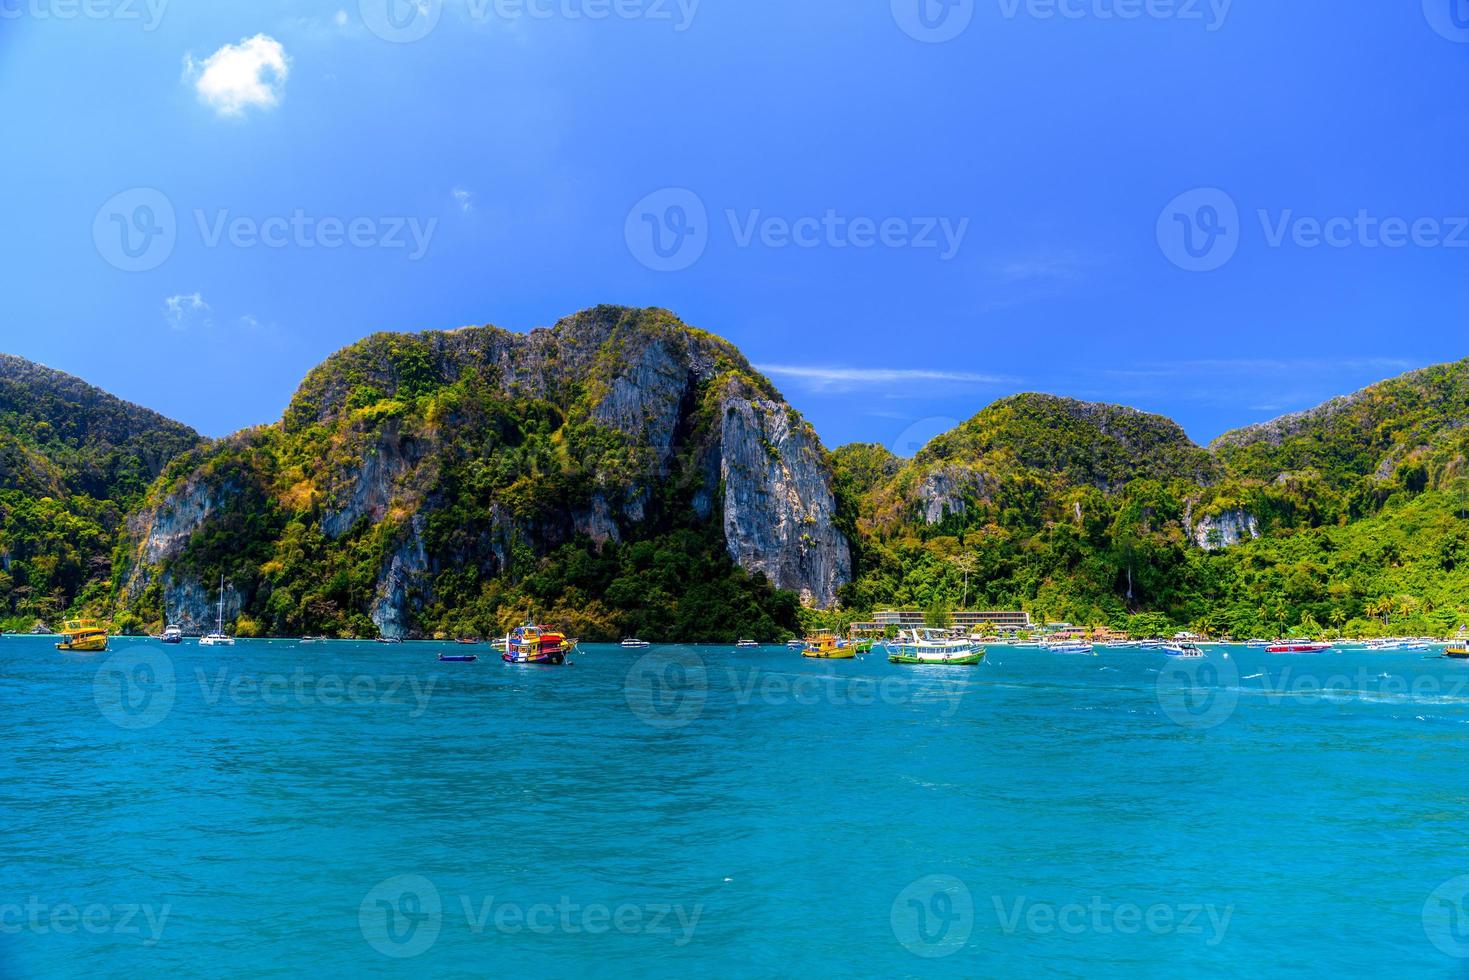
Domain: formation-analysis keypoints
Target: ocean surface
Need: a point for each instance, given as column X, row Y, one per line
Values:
column 279, row 809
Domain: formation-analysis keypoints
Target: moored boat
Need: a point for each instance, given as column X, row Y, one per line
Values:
column 463, row 658
column 1078, row 648
column 934, row 647
column 1457, row 652
column 1297, row 646
column 747, row 645
column 633, row 643
column 1184, row 649
column 172, row 633
column 218, row 638
column 824, row 645
column 537, row 645
column 83, row 636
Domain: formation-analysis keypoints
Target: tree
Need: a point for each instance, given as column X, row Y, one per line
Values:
column 965, row 563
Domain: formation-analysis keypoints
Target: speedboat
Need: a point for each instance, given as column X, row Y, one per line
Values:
column 934, row 647
column 1186, row 649
column 747, row 645
column 83, row 636
column 1258, row 644
column 465, row 658
column 1297, row 646
column 172, row 634
column 537, row 645
column 795, row 644
column 633, row 643
column 824, row 645
column 1073, row 647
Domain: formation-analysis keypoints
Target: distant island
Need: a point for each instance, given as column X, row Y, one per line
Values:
column 624, row 474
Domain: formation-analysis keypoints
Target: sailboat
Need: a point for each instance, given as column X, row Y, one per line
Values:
column 218, row 637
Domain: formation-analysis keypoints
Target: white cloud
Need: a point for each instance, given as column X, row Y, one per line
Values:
column 183, row 309
column 464, row 198
column 240, row 76
column 848, row 378
column 341, row 19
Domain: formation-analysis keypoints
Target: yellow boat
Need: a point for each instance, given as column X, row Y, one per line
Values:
column 83, row 636
column 824, row 645
column 1457, row 652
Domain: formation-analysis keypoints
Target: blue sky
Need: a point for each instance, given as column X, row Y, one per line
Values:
column 901, row 213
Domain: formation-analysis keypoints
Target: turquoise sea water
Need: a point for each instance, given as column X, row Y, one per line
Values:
column 277, row 809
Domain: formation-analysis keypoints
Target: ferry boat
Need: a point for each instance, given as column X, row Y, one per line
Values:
column 218, row 638
column 172, row 634
column 83, row 636
column 824, row 645
column 537, row 645
column 633, row 643
column 1297, row 646
column 934, row 647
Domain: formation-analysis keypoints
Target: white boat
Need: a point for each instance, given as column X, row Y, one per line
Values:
column 632, row 643
column 933, row 647
column 218, row 638
column 1186, row 649
column 1078, row 648
column 795, row 644
column 172, row 634
column 747, row 645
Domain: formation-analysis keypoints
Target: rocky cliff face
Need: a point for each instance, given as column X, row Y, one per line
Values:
column 451, row 461
column 1216, row 532
column 778, row 504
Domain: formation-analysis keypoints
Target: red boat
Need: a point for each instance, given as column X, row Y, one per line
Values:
column 1297, row 646
column 540, row 645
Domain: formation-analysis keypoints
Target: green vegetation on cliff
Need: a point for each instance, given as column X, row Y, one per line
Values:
column 73, row 462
